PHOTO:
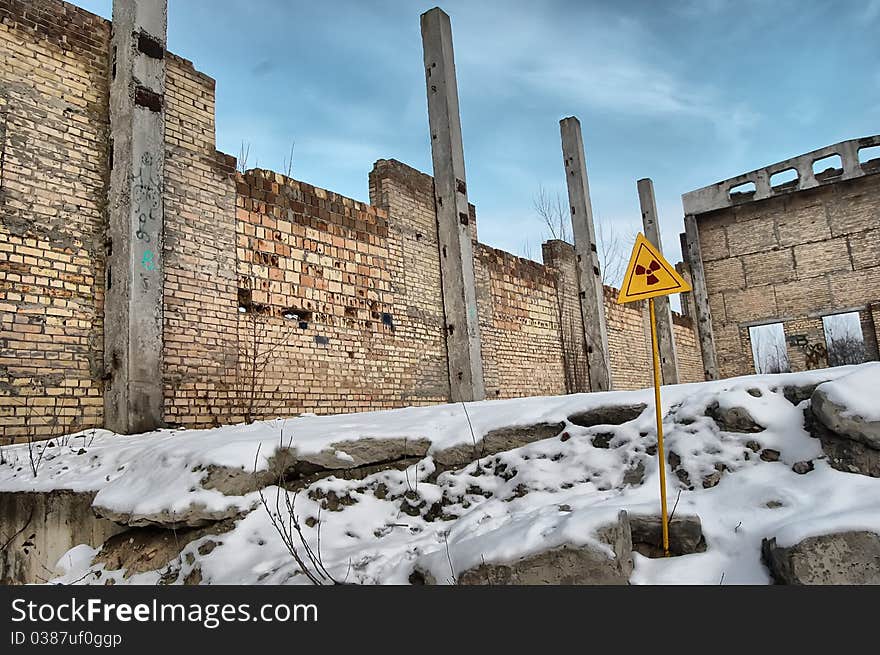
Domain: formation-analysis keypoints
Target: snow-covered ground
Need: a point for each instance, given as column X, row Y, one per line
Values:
column 495, row 509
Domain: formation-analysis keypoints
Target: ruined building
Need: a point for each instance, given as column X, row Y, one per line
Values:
column 786, row 262
column 144, row 281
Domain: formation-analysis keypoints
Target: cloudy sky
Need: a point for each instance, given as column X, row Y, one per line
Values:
column 686, row 92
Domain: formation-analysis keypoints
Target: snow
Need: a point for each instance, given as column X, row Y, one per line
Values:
column 859, row 392
column 497, row 509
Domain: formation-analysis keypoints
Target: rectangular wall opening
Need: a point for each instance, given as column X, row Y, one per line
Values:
column 828, row 167
column 869, row 158
column 768, row 348
column 844, row 339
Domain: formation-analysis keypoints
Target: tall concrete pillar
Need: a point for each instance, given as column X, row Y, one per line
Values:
column 133, row 300
column 592, row 298
column 450, row 196
column 700, row 297
column 665, row 332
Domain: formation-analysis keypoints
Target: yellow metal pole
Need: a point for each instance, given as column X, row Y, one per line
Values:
column 661, row 457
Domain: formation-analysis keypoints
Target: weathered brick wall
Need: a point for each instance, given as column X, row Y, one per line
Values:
column 323, row 261
column 200, row 313
column 519, row 325
column 407, row 198
column 560, row 256
column 687, row 349
column 629, row 341
column 791, row 258
column 53, row 177
column 279, row 297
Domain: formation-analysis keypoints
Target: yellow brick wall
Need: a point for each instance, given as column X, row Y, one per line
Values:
column 560, row 256
column 53, row 176
column 200, row 316
column 519, row 325
column 243, row 254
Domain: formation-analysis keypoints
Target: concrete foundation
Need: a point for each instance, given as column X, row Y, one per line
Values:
column 38, row 528
column 453, row 216
column 589, row 274
column 133, row 308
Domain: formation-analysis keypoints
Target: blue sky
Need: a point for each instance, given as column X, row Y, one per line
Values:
column 686, row 92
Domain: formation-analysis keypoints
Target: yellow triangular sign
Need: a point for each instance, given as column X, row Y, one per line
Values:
column 649, row 274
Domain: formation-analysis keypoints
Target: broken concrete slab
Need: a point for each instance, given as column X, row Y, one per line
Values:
column 346, row 459
column 364, row 452
column 841, row 558
column 193, row 516
column 607, row 415
column 40, row 527
column 140, row 550
column 797, row 394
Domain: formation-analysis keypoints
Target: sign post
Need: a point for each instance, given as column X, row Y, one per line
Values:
column 649, row 275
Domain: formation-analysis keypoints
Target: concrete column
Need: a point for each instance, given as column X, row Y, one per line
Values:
column 133, row 302
column 665, row 332
column 591, row 293
column 700, row 298
column 450, row 196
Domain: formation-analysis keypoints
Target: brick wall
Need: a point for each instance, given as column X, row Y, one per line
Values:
column 629, row 341
column 200, row 315
column 519, row 325
column 279, row 297
column 53, row 177
column 560, row 256
column 792, row 259
column 687, row 349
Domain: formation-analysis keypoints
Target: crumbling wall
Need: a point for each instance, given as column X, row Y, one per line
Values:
column 407, row 198
column 317, row 265
column 54, row 73
column 279, row 297
column 687, row 350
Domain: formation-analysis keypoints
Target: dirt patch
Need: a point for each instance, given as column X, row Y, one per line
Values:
column 150, row 549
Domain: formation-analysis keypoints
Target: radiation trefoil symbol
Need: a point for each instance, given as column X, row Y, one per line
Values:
column 649, row 271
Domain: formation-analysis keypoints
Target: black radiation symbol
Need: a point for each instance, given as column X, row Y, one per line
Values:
column 653, row 266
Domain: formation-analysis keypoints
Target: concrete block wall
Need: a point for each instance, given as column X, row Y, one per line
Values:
column 791, row 259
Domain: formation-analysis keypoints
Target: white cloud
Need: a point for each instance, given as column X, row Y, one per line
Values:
column 589, row 58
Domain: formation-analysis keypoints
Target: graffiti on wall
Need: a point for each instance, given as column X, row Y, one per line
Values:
column 146, row 197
